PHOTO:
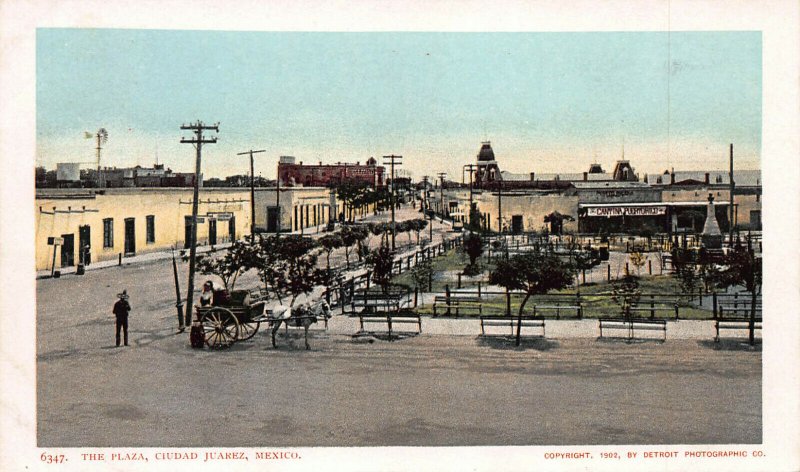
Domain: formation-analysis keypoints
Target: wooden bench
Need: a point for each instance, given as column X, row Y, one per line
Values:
column 653, row 307
column 743, row 308
column 631, row 325
column 391, row 320
column 558, row 308
column 457, row 302
column 734, row 324
column 511, row 322
column 377, row 302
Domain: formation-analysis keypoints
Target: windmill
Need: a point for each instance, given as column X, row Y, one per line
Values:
column 102, row 138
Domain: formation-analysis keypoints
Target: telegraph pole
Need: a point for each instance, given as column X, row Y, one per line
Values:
column 441, row 176
column 730, row 220
column 393, row 160
column 500, row 206
column 471, row 168
column 428, row 211
column 252, row 194
column 198, row 141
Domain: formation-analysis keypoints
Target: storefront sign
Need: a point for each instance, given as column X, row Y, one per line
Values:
column 626, row 211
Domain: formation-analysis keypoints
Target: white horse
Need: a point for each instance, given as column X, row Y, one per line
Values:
column 303, row 315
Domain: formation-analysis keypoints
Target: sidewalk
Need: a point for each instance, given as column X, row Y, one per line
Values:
column 555, row 329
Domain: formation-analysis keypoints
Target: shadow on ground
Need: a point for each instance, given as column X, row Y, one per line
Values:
column 622, row 340
column 510, row 343
column 369, row 338
column 738, row 344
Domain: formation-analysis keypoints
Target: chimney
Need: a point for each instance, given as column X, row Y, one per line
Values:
column 672, row 178
column 707, row 181
column 585, row 176
column 533, row 176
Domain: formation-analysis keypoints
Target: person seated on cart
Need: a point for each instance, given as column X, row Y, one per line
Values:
column 212, row 296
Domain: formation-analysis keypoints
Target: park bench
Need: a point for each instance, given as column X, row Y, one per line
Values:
column 734, row 324
column 653, row 305
column 631, row 325
column 736, row 309
column 511, row 322
column 457, row 302
column 377, row 302
column 391, row 320
column 558, row 307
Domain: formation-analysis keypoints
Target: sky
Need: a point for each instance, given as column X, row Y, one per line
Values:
column 548, row 102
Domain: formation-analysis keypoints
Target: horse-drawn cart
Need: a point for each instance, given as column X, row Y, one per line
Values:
column 239, row 317
column 236, row 319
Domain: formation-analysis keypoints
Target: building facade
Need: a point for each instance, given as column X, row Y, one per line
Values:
column 92, row 225
column 293, row 174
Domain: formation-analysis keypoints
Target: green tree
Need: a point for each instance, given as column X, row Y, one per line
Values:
column 330, row 242
column 381, row 261
column 534, row 273
column 418, row 226
column 298, row 273
column 230, row 266
column 352, row 235
column 627, row 293
column 422, row 273
column 352, row 194
column 743, row 268
column 475, row 219
column 473, row 247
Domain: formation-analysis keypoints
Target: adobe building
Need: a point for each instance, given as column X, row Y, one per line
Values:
column 597, row 201
column 103, row 224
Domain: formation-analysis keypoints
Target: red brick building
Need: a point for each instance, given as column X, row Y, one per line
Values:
column 329, row 175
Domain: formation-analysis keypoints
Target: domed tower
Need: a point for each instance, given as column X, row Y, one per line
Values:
column 488, row 170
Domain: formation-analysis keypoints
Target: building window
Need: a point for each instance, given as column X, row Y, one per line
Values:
column 151, row 228
column 108, row 232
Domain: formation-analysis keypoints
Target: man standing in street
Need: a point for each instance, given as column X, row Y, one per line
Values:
column 121, row 310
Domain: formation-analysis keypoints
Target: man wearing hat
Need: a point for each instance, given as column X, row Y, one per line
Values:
column 121, row 310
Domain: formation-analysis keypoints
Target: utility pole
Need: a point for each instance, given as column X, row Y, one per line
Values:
column 500, row 206
column 393, row 160
column 441, row 176
column 730, row 220
column 198, row 141
column 428, row 211
column 252, row 194
column 471, row 168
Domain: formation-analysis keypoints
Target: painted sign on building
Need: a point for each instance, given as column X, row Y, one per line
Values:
column 626, row 211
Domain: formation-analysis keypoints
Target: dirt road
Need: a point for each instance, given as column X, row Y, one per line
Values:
column 426, row 391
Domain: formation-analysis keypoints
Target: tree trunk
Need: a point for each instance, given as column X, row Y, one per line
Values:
column 519, row 317
column 753, row 318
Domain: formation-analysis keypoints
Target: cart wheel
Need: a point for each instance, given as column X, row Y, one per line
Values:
column 247, row 329
column 220, row 326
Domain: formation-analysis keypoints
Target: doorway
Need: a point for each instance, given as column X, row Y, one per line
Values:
column 130, row 237
column 84, row 245
column 212, row 232
column 516, row 224
column 232, row 228
column 272, row 219
column 68, row 250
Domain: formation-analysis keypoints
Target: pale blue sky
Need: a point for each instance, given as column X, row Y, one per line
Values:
column 547, row 101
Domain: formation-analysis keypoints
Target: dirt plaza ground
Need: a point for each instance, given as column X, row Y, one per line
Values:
column 429, row 390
